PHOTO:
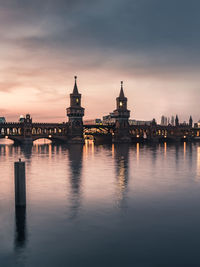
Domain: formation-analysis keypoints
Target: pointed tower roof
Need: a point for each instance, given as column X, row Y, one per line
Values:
column 121, row 95
column 75, row 91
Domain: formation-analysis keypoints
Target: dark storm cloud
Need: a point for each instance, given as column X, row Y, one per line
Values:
column 133, row 34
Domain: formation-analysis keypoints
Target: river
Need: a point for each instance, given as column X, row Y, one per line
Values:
column 102, row 205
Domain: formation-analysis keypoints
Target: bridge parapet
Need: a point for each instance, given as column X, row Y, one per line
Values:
column 159, row 132
column 26, row 131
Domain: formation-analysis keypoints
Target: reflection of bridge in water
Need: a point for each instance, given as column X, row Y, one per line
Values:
column 74, row 131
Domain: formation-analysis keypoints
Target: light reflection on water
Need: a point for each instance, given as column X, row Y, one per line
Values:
column 105, row 205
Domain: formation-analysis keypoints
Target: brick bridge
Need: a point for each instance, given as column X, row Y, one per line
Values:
column 74, row 131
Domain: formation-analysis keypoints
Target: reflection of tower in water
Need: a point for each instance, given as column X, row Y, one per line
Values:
column 121, row 154
column 154, row 149
column 27, row 151
column 184, row 150
column 177, row 147
column 75, row 153
column 190, row 154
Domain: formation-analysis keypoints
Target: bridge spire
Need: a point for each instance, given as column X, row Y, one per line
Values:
column 121, row 115
column 75, row 113
column 121, row 95
column 75, row 91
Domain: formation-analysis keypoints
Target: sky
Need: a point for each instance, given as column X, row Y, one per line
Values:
column 151, row 45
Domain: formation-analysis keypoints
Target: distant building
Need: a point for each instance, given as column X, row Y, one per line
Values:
column 177, row 121
column 2, row 120
column 137, row 122
column 93, row 122
column 153, row 122
column 109, row 119
column 190, row 121
column 172, row 121
column 21, row 118
column 197, row 124
column 164, row 121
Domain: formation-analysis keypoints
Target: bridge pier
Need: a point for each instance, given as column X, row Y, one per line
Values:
column 123, row 139
column 102, row 139
column 155, row 139
column 76, row 140
column 27, row 141
column 19, row 140
column 138, row 139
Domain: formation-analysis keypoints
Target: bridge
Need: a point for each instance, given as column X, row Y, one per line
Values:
column 74, row 131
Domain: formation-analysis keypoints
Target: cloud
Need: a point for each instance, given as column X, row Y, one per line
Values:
column 152, row 44
column 150, row 35
column 129, row 26
column 8, row 86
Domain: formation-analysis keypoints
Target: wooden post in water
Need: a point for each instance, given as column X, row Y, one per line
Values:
column 20, row 184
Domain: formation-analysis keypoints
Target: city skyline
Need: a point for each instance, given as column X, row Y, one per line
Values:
column 57, row 118
column 150, row 45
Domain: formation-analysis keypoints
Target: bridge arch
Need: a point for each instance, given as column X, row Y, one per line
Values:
column 52, row 138
column 42, row 140
column 6, row 141
column 10, row 138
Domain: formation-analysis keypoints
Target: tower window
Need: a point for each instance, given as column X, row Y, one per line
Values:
column 77, row 100
column 120, row 104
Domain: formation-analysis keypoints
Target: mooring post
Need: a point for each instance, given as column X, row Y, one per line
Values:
column 20, row 184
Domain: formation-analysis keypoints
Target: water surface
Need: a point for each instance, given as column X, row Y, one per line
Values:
column 105, row 205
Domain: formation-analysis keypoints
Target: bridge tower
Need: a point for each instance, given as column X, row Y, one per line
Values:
column 121, row 114
column 27, row 130
column 75, row 114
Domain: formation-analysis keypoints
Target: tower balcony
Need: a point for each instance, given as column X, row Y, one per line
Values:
column 75, row 112
column 121, row 114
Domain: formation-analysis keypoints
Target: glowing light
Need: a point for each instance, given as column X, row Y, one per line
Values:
column 184, row 149
column 120, row 103
column 6, row 137
column 113, row 150
column 122, row 175
column 50, row 151
column 138, row 136
column 50, row 136
column 165, row 149
column 138, row 152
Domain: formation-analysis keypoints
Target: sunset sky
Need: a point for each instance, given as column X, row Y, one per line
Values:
column 152, row 45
